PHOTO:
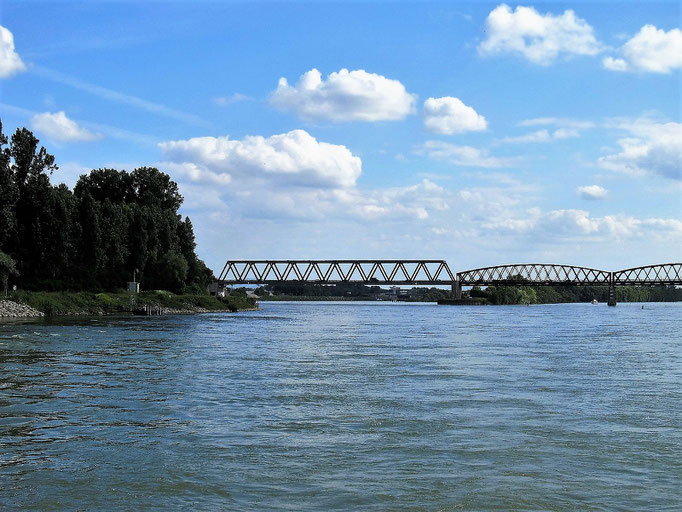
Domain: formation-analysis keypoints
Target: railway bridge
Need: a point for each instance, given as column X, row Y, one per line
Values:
column 438, row 273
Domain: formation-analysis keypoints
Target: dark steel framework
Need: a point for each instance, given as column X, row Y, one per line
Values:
column 666, row 274
column 378, row 272
column 533, row 274
column 437, row 272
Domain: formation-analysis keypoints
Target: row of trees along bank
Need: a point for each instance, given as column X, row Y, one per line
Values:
column 94, row 237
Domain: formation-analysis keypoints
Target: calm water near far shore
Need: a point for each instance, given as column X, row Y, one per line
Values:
column 346, row 406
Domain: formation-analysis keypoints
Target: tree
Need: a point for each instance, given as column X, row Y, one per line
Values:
column 89, row 252
column 153, row 187
column 29, row 161
column 8, row 193
column 7, row 268
column 112, row 224
column 173, row 271
column 101, row 184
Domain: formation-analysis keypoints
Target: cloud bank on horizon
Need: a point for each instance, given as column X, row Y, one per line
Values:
column 564, row 155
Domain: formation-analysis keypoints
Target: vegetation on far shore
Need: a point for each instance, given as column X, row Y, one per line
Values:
column 491, row 295
column 90, row 303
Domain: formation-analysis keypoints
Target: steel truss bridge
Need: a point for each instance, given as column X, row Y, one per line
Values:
column 438, row 273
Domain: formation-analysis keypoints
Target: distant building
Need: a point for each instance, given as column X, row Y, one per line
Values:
column 394, row 293
column 217, row 289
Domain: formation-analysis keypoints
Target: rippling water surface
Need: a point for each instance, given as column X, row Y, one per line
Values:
column 343, row 406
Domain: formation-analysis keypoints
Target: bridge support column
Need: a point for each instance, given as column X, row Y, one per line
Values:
column 612, row 291
column 456, row 290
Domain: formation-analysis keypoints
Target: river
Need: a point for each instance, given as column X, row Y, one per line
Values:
column 346, row 406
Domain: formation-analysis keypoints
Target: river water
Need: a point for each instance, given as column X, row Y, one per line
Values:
column 346, row 406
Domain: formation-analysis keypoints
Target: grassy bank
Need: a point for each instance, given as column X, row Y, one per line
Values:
column 85, row 303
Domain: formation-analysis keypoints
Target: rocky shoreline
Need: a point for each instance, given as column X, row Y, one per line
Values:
column 11, row 309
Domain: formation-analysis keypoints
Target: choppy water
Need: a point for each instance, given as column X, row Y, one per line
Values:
column 346, row 406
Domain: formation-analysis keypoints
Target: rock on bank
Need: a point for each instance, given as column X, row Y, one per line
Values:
column 11, row 309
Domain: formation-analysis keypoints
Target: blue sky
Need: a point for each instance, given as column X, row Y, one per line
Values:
column 482, row 133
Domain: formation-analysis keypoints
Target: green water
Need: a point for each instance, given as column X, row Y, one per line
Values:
column 346, row 406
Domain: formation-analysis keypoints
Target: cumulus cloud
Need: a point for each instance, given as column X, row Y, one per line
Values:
column 450, row 115
column 592, row 192
column 650, row 148
column 60, row 128
column 615, row 64
column 10, row 62
column 291, row 176
column 462, row 155
column 540, row 38
column 295, row 158
column 344, row 96
column 196, row 173
column 651, row 50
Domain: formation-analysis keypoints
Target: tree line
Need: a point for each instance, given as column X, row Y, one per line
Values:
column 498, row 295
column 94, row 237
column 560, row 294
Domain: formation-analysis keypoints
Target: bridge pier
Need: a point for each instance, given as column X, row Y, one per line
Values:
column 456, row 292
column 612, row 292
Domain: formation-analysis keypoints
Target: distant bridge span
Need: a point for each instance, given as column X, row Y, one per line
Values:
column 438, row 273
column 376, row 272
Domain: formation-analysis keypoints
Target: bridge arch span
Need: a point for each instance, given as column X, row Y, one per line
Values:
column 533, row 274
column 662, row 274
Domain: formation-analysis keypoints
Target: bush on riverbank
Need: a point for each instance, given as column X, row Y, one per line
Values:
column 86, row 303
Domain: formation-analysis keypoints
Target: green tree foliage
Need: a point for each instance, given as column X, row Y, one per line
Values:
column 114, row 223
column 7, row 268
column 559, row 294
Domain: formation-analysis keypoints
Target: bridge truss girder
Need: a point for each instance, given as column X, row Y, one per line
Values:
column 372, row 272
column 438, row 273
column 664, row 274
column 533, row 274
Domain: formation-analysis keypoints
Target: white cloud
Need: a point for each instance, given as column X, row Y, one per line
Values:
column 542, row 136
column 290, row 176
column 592, row 192
column 10, row 62
column 462, row 155
column 615, row 64
column 196, row 173
column 579, row 224
column 651, row 50
column 344, row 96
column 560, row 122
column 450, row 115
column 60, row 128
column 539, row 38
column 295, row 158
column 650, row 148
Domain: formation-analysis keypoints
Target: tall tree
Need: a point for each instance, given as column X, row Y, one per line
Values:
column 8, row 193
column 7, row 268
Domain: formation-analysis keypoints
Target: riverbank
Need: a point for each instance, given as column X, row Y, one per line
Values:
column 37, row 304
